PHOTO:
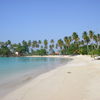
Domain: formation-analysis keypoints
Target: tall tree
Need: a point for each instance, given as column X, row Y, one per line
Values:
column 60, row 43
column 8, row 43
column 86, row 39
column 29, row 43
column 52, row 43
column 45, row 44
column 75, row 37
column 67, row 41
column 98, row 41
column 39, row 43
column 34, row 44
column 91, row 34
column 25, row 47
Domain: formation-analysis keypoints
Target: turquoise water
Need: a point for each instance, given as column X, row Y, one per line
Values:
column 15, row 65
column 15, row 70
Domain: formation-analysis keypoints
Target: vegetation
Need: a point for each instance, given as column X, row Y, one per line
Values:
column 89, row 44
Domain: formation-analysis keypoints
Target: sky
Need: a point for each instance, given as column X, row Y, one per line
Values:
column 47, row 19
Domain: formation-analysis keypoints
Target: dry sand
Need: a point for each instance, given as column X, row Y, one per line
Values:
column 77, row 80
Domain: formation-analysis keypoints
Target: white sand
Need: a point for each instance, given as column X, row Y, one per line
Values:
column 77, row 80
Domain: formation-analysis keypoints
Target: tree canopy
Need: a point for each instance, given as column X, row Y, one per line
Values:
column 89, row 44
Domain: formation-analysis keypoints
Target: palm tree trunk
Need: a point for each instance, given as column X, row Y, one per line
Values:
column 98, row 45
column 87, row 49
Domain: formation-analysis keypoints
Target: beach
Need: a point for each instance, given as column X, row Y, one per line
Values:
column 79, row 79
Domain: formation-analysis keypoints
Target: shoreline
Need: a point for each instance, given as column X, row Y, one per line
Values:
column 51, row 56
column 77, row 80
column 12, row 84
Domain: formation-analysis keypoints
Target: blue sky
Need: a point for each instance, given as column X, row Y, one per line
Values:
column 41, row 19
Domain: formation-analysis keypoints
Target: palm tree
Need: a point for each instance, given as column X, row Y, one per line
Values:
column 82, row 42
column 39, row 41
column 56, row 45
column 8, row 43
column 91, row 34
column 98, row 41
column 1, row 43
column 50, row 46
column 52, row 43
column 24, row 43
column 75, row 37
column 25, row 47
column 34, row 44
column 45, row 44
column 13, row 47
column 41, row 46
column 67, row 41
column 60, row 43
column 86, row 39
column 70, row 38
column 29, row 43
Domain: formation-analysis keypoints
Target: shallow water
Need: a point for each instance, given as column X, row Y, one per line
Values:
column 15, row 71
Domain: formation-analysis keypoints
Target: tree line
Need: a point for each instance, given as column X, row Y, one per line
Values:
column 88, row 44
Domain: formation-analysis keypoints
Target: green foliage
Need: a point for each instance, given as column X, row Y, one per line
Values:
column 60, row 43
column 70, row 45
column 4, row 51
column 73, row 50
column 40, row 52
column 46, row 44
column 83, row 50
column 95, row 52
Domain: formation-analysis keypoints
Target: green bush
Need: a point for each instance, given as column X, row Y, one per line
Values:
column 40, row 52
column 95, row 52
